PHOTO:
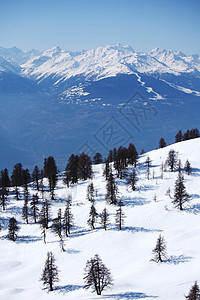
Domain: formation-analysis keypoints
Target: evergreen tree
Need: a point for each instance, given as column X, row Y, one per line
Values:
column 26, row 178
column 85, row 167
column 132, row 180
column 132, row 154
column 44, row 218
column 43, row 222
column 57, row 223
column 57, row 227
column 66, row 179
column 50, row 172
column 41, row 184
column 180, row 194
column 121, row 161
column 16, row 178
column 178, row 137
column 45, row 213
column 187, row 167
column 50, row 272
column 186, row 135
column 4, row 188
column 68, row 220
column 5, row 178
column 194, row 133
column 92, row 217
column 13, row 228
column 106, row 170
column 194, row 293
column 114, row 154
column 111, row 190
column 148, row 164
column 98, row 158
column 159, row 251
column 191, row 134
column 142, row 152
column 172, row 159
column 36, row 176
column 119, row 217
column 71, row 171
column 90, row 192
column 34, row 207
column 104, row 218
column 25, row 211
column 110, row 156
column 97, row 277
column 162, row 143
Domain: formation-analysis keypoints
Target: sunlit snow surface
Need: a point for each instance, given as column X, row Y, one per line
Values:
column 126, row 253
column 108, row 61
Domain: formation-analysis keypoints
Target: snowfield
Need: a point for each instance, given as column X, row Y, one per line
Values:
column 126, row 253
column 108, row 61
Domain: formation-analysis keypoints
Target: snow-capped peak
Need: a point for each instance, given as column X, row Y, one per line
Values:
column 102, row 62
column 53, row 51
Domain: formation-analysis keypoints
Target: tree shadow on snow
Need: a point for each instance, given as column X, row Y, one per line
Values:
column 145, row 188
column 14, row 210
column 4, row 223
column 27, row 239
column 81, row 232
column 194, row 209
column 192, row 196
column 72, row 251
column 128, row 295
column 139, row 229
column 134, row 201
column 64, row 289
column 176, row 260
column 195, row 172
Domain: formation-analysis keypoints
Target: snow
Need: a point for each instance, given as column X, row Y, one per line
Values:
column 17, row 56
column 126, row 253
column 149, row 89
column 183, row 89
column 58, row 66
column 103, row 62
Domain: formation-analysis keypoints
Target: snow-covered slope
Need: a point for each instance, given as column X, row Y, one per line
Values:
column 6, row 66
column 126, row 253
column 176, row 60
column 100, row 63
column 108, row 61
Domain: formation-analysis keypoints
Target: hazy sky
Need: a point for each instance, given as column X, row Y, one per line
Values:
column 84, row 24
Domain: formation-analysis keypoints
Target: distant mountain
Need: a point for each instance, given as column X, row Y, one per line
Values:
column 16, row 55
column 55, row 101
column 108, row 61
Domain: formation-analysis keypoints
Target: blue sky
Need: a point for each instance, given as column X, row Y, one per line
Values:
column 84, row 24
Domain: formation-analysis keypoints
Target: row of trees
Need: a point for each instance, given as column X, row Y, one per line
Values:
column 179, row 137
column 121, row 158
column 189, row 134
column 78, row 167
column 104, row 217
column 172, row 162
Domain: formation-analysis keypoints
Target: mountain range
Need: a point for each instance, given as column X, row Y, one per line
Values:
column 56, row 102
